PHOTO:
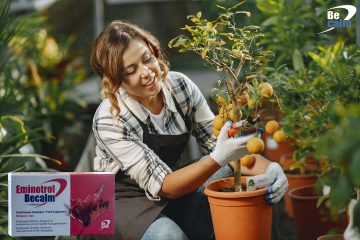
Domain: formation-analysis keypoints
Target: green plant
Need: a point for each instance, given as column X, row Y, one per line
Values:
column 332, row 77
column 340, row 146
column 235, row 52
column 47, row 74
column 292, row 28
column 52, row 72
column 14, row 134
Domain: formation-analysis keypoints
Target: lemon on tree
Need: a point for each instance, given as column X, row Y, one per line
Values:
column 271, row 127
column 247, row 160
column 255, row 145
column 279, row 136
column 266, row 89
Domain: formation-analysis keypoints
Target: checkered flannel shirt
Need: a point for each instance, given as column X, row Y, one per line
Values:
column 120, row 143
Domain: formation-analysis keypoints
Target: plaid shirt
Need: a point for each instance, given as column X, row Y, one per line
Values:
column 120, row 142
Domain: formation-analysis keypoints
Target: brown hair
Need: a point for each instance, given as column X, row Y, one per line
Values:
column 107, row 52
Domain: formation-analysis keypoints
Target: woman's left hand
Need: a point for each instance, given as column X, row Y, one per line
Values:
column 279, row 183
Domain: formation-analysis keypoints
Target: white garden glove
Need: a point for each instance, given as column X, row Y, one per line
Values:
column 229, row 149
column 279, row 183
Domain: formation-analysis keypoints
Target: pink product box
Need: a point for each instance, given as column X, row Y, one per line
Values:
column 61, row 204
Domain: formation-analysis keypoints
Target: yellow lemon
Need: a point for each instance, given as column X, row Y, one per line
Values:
column 220, row 100
column 279, row 136
column 218, row 122
column 266, row 89
column 255, row 145
column 243, row 99
column 271, row 127
column 247, row 160
column 251, row 103
column 216, row 132
column 231, row 115
column 224, row 113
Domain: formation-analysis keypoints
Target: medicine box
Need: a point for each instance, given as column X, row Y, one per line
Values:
column 61, row 204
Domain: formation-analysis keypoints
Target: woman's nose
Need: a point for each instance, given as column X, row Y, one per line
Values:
column 145, row 71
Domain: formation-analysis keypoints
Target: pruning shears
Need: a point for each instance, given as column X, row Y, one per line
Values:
column 241, row 125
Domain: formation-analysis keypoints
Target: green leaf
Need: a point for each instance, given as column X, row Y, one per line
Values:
column 298, row 62
column 33, row 155
column 354, row 167
column 356, row 223
column 236, row 5
column 270, row 21
column 341, row 193
column 321, row 200
column 221, row 7
column 204, row 52
column 268, row 7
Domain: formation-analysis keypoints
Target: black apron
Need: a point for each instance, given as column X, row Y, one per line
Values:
column 134, row 211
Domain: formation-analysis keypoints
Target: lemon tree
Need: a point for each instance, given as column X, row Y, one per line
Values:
column 235, row 52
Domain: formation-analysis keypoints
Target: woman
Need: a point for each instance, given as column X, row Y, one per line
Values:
column 142, row 127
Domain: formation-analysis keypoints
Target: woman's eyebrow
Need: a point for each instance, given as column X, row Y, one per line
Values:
column 142, row 55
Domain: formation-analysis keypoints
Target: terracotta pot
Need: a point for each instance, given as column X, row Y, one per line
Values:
column 310, row 221
column 296, row 180
column 239, row 215
column 331, row 237
column 274, row 151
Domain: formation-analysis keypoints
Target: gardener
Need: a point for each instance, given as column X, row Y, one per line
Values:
column 141, row 128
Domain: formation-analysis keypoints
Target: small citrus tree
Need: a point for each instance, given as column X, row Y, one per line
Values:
column 234, row 52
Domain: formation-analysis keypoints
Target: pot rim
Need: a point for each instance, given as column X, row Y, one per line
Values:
column 216, row 194
column 294, row 196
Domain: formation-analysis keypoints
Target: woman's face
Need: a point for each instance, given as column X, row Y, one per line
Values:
column 141, row 71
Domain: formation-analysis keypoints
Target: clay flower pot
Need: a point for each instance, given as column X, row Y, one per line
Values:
column 310, row 221
column 274, row 151
column 239, row 215
column 295, row 181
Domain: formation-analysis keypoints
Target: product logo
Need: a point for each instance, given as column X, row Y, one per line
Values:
column 335, row 20
column 39, row 195
column 251, row 183
column 105, row 224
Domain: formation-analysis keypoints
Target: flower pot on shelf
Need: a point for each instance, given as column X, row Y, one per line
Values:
column 295, row 181
column 239, row 215
column 310, row 221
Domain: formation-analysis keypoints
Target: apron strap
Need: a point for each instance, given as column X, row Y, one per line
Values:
column 186, row 120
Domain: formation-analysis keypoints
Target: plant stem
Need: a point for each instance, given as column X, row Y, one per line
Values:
column 235, row 109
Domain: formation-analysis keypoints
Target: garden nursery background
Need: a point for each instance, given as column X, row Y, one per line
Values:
column 49, row 94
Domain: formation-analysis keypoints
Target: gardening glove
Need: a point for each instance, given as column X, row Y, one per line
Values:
column 229, row 149
column 279, row 183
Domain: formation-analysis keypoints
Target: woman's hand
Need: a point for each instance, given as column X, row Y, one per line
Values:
column 229, row 149
column 280, row 183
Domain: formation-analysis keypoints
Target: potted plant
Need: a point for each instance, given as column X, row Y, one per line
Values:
column 342, row 173
column 234, row 51
column 306, row 97
column 331, row 78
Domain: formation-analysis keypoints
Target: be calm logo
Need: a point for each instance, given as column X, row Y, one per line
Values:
column 336, row 20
